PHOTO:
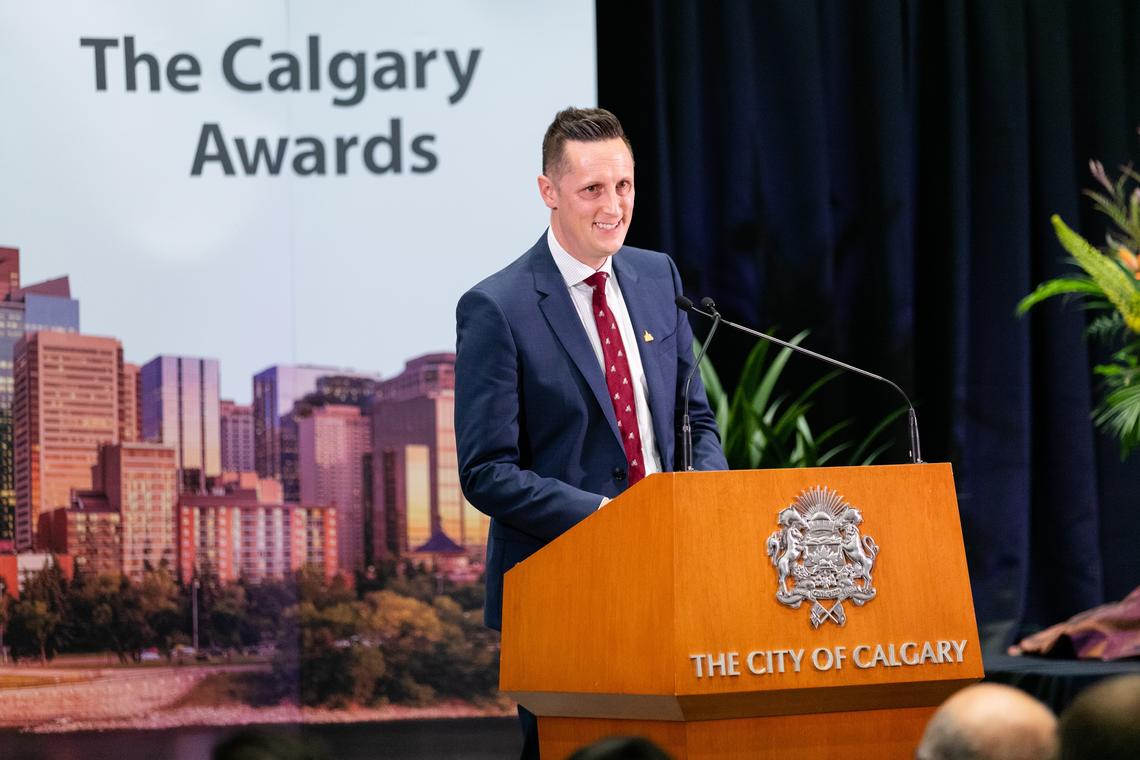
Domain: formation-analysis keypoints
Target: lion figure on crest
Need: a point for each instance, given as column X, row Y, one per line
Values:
column 860, row 550
column 785, row 546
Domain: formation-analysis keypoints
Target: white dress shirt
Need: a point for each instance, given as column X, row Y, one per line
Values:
column 582, row 295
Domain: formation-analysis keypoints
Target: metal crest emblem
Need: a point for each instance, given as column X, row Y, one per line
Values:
column 821, row 557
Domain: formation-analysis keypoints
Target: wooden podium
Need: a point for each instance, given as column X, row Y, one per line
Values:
column 658, row 615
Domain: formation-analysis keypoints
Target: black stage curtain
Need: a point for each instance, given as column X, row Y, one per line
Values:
column 883, row 173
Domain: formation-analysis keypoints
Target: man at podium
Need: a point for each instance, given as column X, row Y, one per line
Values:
column 570, row 362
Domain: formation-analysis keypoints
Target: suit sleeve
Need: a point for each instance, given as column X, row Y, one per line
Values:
column 487, row 413
column 707, row 451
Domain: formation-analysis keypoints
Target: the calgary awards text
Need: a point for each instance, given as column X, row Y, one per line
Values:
column 248, row 67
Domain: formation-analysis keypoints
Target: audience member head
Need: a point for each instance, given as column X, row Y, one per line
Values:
column 989, row 722
column 1103, row 722
column 264, row 744
column 621, row 748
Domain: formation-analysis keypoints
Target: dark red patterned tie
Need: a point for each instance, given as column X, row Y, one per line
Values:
column 618, row 377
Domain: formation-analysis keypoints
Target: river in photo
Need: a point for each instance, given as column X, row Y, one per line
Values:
column 458, row 738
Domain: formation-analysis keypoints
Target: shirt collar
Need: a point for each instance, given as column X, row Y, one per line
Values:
column 573, row 271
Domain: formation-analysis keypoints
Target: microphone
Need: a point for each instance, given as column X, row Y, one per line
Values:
column 710, row 311
column 686, row 428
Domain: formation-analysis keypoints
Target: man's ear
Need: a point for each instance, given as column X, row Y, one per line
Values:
column 548, row 191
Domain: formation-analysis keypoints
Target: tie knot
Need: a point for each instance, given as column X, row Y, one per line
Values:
column 597, row 280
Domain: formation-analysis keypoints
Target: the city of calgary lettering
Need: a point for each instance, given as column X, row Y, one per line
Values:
column 767, row 662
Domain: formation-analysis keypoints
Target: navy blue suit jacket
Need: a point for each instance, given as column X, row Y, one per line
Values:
column 537, row 439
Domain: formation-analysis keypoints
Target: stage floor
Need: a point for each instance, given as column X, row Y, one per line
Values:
column 1054, row 682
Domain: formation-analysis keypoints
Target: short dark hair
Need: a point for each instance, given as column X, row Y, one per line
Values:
column 581, row 125
column 1101, row 722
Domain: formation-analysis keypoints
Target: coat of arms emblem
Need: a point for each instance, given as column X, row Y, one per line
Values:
column 821, row 557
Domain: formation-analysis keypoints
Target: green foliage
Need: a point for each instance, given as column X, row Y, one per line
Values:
column 386, row 647
column 419, row 639
column 266, row 603
column 1108, row 329
column 114, row 606
column 415, row 585
column 36, row 626
column 1109, row 282
column 761, row 428
column 5, row 617
column 1062, row 286
column 320, row 660
column 36, row 623
column 1119, row 411
column 161, row 609
column 1110, row 278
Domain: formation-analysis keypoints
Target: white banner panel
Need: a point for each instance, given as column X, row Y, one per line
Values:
column 279, row 182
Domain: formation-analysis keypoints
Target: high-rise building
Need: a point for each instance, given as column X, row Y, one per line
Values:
column 140, row 481
column 9, row 271
column 129, row 402
column 416, row 490
column 237, row 437
column 275, row 391
column 236, row 535
column 90, row 531
column 288, row 446
column 48, row 306
column 44, row 306
column 65, row 404
column 125, row 523
column 341, row 390
column 347, row 390
column 179, row 406
column 423, row 376
column 332, row 442
column 407, row 522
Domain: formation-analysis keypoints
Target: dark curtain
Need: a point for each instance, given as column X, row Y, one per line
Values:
column 883, row 173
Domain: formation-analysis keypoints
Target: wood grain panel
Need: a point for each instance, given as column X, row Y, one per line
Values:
column 593, row 610
column 676, row 566
column 920, row 573
column 880, row 734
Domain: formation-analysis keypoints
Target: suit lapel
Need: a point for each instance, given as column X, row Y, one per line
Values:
column 642, row 306
column 562, row 317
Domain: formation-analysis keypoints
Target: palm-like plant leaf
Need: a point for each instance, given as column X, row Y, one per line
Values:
column 1114, row 209
column 713, row 388
column 865, row 454
column 1084, row 286
column 763, row 429
column 1109, row 283
column 1118, row 287
column 1120, row 414
column 769, row 378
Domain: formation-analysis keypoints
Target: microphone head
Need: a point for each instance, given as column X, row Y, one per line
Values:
column 683, row 303
column 710, row 306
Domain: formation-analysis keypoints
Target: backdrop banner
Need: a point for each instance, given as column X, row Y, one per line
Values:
column 227, row 493
column 274, row 182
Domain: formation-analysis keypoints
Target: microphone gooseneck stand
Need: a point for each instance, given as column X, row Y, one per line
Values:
column 711, row 312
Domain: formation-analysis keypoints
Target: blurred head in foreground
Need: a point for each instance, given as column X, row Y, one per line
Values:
column 621, row 748
column 261, row 744
column 990, row 722
column 1103, row 722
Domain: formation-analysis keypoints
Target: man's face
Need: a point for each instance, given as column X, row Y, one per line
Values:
column 590, row 198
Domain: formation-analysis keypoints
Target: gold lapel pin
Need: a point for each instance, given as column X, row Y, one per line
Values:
column 647, row 337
